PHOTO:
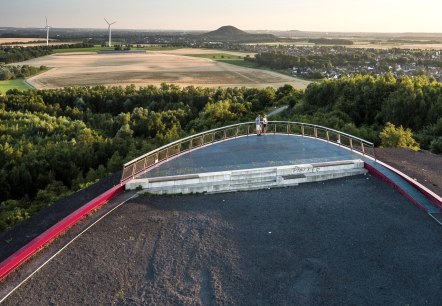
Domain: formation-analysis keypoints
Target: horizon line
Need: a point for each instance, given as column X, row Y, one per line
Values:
column 193, row 30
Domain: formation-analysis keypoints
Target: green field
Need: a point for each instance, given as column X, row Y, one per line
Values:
column 92, row 49
column 13, row 84
column 228, row 58
column 241, row 62
column 218, row 56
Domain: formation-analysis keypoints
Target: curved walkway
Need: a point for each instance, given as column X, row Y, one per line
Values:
column 277, row 150
column 253, row 152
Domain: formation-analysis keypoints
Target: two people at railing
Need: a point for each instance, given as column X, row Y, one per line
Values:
column 261, row 125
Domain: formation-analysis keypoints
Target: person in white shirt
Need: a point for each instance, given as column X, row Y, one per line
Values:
column 264, row 124
column 258, row 125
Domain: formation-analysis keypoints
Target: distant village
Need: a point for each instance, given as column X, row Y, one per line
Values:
column 335, row 62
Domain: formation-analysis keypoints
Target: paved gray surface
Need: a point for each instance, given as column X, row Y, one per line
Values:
column 253, row 152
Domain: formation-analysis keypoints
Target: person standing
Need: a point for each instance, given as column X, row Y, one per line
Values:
column 264, row 124
column 258, row 125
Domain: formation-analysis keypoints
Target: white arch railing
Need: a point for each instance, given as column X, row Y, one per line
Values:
column 141, row 164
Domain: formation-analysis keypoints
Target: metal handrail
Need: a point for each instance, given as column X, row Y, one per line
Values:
column 140, row 164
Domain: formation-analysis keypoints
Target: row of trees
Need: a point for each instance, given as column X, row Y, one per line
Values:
column 10, row 55
column 16, row 72
column 14, row 54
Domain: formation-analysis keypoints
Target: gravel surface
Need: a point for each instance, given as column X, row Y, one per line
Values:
column 423, row 166
column 352, row 241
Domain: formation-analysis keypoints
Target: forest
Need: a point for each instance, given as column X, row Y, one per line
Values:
column 55, row 142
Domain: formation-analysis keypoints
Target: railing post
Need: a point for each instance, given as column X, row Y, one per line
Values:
column 133, row 171
column 274, row 129
column 339, row 139
column 351, row 143
column 248, row 130
column 213, row 137
column 191, row 144
column 362, row 148
column 145, row 162
column 225, row 134
column 315, row 132
column 302, row 130
column 288, row 129
column 236, row 131
column 327, row 135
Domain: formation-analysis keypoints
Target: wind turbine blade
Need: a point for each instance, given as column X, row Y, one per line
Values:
column 106, row 21
column 113, row 22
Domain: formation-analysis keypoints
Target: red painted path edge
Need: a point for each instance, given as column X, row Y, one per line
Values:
column 432, row 197
column 30, row 249
column 39, row 242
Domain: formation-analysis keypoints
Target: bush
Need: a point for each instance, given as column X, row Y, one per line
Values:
column 436, row 146
column 398, row 137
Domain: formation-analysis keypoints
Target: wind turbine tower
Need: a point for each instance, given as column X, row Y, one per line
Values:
column 110, row 31
column 47, row 27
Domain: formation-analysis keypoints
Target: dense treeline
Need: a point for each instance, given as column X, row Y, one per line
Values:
column 16, row 54
column 54, row 142
column 16, row 72
column 362, row 105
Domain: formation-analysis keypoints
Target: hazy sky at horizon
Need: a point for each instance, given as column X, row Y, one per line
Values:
column 304, row 15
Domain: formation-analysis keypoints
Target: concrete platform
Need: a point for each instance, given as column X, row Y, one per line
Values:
column 248, row 179
column 253, row 152
column 271, row 151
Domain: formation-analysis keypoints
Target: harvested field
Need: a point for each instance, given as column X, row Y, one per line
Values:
column 20, row 40
column 307, row 245
column 152, row 68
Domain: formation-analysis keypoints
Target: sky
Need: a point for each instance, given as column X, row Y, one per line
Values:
column 304, row 15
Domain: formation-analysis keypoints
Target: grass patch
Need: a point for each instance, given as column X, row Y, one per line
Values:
column 242, row 63
column 92, row 49
column 218, row 56
column 13, row 84
column 159, row 48
column 236, row 60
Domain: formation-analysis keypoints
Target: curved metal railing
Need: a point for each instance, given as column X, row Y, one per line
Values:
column 139, row 165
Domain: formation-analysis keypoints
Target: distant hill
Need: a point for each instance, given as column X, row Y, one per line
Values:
column 230, row 33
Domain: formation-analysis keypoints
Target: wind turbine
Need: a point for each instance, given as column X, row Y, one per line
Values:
column 47, row 27
column 110, row 31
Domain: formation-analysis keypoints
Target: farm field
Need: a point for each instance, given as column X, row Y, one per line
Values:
column 20, row 40
column 13, row 84
column 152, row 68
